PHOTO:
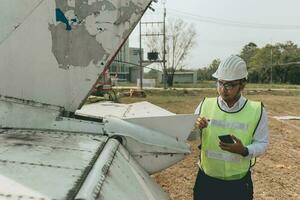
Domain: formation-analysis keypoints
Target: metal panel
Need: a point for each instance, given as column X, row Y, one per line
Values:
column 153, row 151
column 21, row 114
column 13, row 13
column 165, row 124
column 64, row 44
column 95, row 179
column 126, row 180
column 45, row 164
column 123, row 111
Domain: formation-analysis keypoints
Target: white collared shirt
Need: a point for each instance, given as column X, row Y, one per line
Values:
column 261, row 136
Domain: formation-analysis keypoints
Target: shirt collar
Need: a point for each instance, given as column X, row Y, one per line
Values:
column 237, row 106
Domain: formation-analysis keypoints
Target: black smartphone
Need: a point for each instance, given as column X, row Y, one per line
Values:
column 226, row 139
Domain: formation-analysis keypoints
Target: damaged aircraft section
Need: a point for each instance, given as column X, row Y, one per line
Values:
column 71, row 41
column 90, row 29
column 52, row 52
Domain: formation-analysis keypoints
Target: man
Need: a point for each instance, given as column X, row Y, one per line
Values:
column 224, row 167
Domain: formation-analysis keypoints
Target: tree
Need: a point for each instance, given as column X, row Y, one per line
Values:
column 248, row 51
column 293, row 74
column 279, row 61
column 206, row 72
column 180, row 39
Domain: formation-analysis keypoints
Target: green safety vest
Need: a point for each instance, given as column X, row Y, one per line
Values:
column 216, row 162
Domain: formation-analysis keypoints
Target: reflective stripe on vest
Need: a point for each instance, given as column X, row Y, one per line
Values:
column 225, row 124
column 216, row 162
column 223, row 156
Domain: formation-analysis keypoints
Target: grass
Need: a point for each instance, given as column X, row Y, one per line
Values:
column 211, row 84
column 273, row 86
column 185, row 101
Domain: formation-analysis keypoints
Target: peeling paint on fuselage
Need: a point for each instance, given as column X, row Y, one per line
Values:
column 127, row 12
column 75, row 40
column 74, row 54
column 68, row 40
column 84, row 8
column 89, row 23
column 60, row 17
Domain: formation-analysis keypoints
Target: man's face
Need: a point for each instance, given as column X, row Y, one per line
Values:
column 229, row 90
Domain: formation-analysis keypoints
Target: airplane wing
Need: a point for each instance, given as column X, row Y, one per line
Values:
column 123, row 111
column 144, row 114
column 39, row 164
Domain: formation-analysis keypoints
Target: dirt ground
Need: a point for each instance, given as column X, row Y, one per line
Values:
column 276, row 174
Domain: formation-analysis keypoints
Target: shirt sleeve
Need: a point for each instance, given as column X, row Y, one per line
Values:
column 260, row 138
column 197, row 111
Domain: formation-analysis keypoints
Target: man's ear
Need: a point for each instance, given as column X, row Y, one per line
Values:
column 242, row 86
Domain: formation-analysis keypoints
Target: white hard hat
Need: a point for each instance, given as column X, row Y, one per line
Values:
column 232, row 68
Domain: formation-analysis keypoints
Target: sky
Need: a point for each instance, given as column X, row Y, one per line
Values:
column 225, row 26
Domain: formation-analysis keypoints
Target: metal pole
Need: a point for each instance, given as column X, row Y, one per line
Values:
column 141, row 58
column 164, row 53
column 271, row 75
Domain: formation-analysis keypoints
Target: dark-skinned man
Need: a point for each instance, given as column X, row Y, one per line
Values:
column 225, row 167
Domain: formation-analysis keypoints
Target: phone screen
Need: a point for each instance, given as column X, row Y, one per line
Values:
column 226, row 139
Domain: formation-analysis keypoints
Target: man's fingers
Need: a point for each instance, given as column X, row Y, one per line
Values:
column 237, row 147
column 201, row 122
column 224, row 147
column 237, row 140
column 225, row 144
column 205, row 120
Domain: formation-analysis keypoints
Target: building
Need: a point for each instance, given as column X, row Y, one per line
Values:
column 118, row 68
column 180, row 77
column 126, row 64
column 134, row 57
column 126, row 67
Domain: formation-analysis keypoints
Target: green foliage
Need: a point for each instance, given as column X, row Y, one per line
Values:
column 248, row 51
column 279, row 63
column 206, row 73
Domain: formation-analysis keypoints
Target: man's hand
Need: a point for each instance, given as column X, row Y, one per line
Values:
column 201, row 122
column 236, row 147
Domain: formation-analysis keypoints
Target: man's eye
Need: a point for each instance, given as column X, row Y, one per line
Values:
column 231, row 84
column 228, row 86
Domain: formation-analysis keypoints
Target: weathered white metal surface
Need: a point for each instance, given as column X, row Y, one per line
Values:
column 67, row 165
column 153, row 150
column 116, row 175
column 21, row 114
column 129, row 180
column 64, row 44
column 144, row 114
column 19, row 13
column 123, row 111
column 45, row 164
column 52, row 52
column 95, row 179
column 176, row 126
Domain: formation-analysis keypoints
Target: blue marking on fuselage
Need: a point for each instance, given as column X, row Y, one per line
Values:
column 60, row 17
